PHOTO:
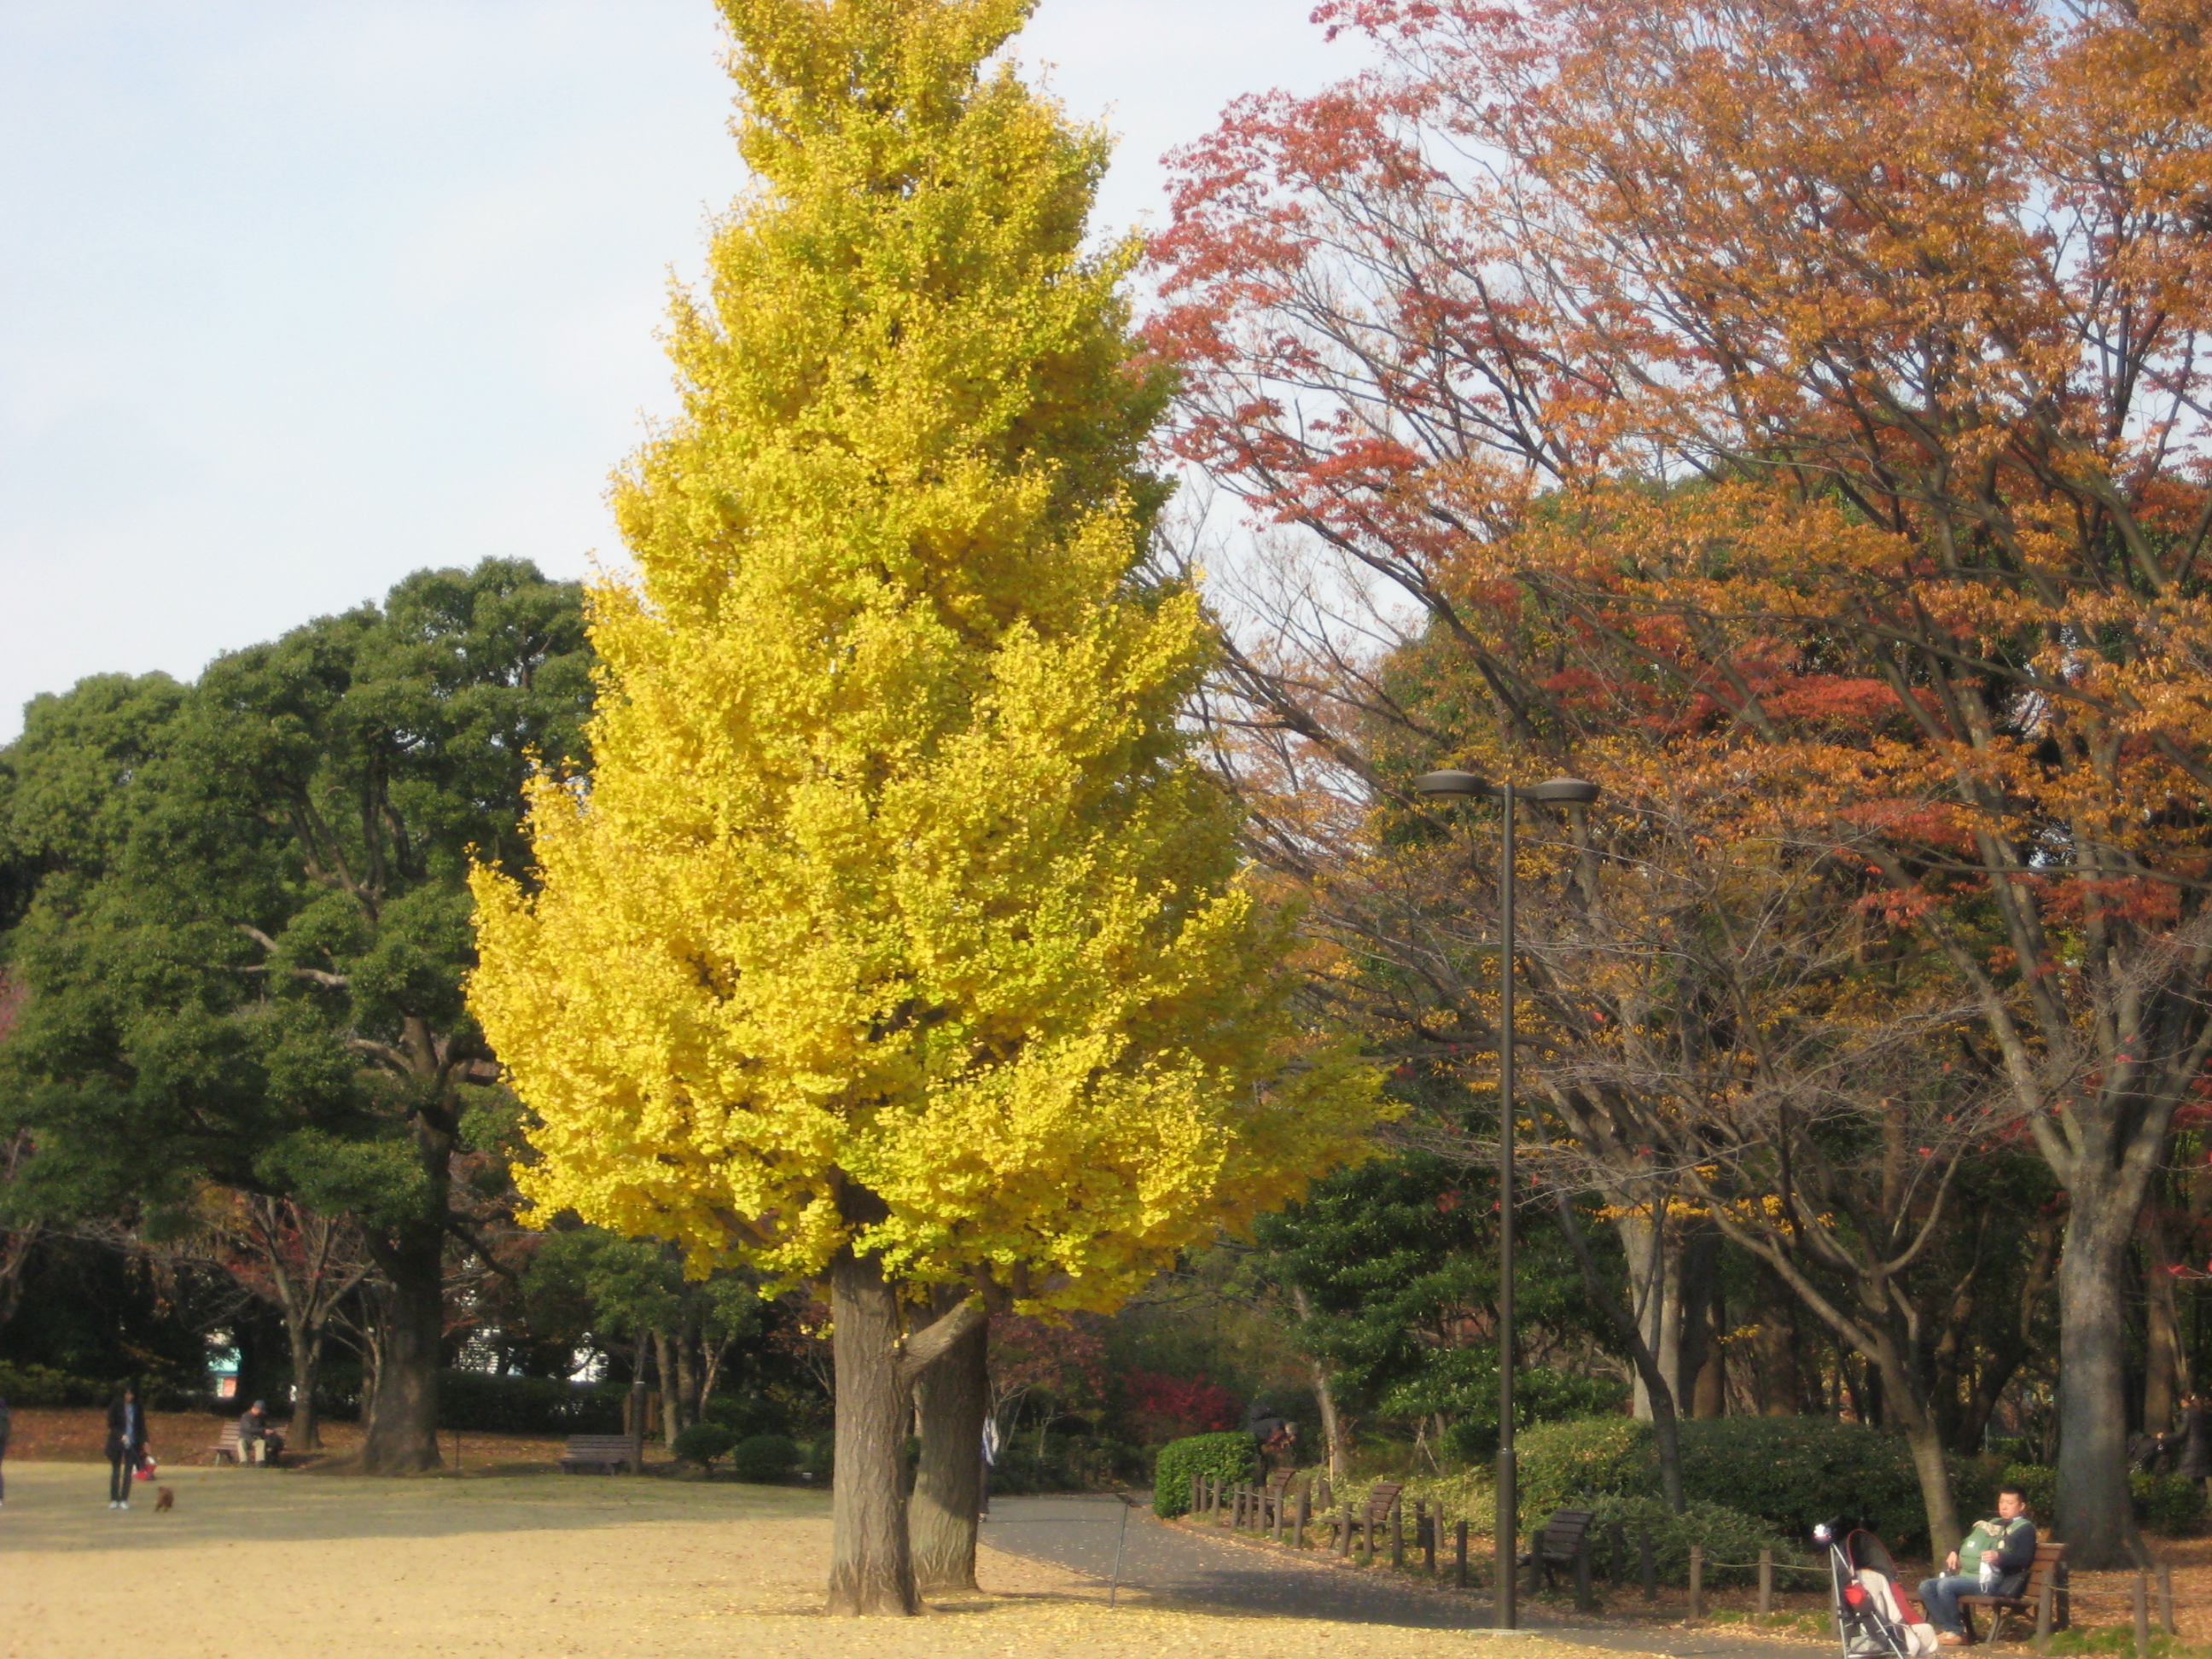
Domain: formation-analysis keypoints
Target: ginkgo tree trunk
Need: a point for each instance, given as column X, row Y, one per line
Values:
column 897, row 939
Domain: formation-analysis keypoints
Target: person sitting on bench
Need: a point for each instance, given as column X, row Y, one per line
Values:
column 1993, row 1560
column 252, row 1433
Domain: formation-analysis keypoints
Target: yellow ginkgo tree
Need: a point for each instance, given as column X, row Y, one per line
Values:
column 896, row 939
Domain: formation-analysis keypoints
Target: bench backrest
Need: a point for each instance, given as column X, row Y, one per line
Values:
column 2047, row 1558
column 1384, row 1498
column 229, row 1438
column 1563, row 1533
column 1279, row 1482
column 620, row 1443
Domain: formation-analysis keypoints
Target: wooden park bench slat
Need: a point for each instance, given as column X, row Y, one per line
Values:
column 226, row 1448
column 2050, row 1560
column 1273, row 1497
column 603, row 1452
column 1560, row 1542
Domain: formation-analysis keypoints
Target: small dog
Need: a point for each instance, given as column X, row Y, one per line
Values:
column 164, row 1499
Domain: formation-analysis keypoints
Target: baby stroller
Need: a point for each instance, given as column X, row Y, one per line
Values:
column 1869, row 1614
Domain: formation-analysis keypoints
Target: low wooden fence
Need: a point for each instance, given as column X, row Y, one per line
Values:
column 1313, row 1517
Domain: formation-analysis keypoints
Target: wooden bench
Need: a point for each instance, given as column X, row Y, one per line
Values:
column 2049, row 1568
column 226, row 1448
column 1273, row 1496
column 1557, row 1545
column 605, row 1452
column 1381, row 1502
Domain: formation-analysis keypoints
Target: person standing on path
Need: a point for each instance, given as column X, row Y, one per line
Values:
column 126, row 1444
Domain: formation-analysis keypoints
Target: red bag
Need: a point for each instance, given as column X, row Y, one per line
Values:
column 146, row 1467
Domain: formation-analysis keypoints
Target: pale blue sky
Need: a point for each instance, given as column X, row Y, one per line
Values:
column 296, row 297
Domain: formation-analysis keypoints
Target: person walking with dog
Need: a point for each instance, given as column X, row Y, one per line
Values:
column 126, row 1444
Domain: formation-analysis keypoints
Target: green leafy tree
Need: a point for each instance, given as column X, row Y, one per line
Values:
column 1393, row 1269
column 245, row 947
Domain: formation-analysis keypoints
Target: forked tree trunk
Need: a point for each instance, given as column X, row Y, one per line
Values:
column 2095, row 1516
column 403, row 1416
column 1655, row 1281
column 871, row 1566
column 952, row 1397
column 306, row 1344
column 1324, row 1393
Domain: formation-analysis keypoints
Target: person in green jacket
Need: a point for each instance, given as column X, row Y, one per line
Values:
column 1993, row 1560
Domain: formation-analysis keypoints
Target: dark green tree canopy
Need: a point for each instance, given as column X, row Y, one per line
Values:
column 245, row 921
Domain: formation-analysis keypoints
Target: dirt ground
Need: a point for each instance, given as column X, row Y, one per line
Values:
column 269, row 1565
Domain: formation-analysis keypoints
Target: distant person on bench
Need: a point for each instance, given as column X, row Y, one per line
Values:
column 253, row 1434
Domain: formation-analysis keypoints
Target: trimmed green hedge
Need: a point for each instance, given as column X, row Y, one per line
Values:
column 702, row 1442
column 1790, row 1472
column 1228, row 1455
column 764, row 1459
column 528, row 1404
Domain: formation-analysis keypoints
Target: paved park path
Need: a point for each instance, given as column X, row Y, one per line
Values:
column 1173, row 1564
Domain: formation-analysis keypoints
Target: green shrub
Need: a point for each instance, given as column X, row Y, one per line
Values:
column 702, row 1444
column 544, row 1406
column 1227, row 1456
column 40, row 1385
column 1796, row 1471
column 1730, row 1539
column 2170, row 1504
column 764, row 1459
column 1791, row 1472
column 1584, row 1457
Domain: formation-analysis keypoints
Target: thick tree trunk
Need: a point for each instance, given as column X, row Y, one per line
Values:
column 2095, row 1516
column 1709, row 1386
column 687, row 1367
column 671, row 1398
column 2165, row 1360
column 1935, row 1499
column 1699, row 1382
column 403, row 1416
column 871, row 1568
column 951, row 1397
column 307, row 1342
column 1781, row 1387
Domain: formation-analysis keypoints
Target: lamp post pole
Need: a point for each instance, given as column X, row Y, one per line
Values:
column 1564, row 791
column 1505, row 1599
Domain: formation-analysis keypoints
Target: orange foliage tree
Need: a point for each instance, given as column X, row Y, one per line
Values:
column 1801, row 403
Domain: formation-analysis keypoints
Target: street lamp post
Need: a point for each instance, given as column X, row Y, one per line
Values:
column 1564, row 791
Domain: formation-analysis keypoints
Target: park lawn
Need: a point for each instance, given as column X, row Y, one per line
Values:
column 256, row 1565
